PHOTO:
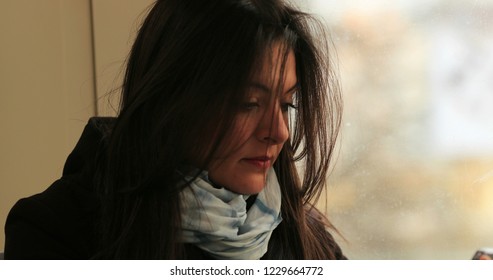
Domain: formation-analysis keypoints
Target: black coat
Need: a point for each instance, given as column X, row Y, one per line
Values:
column 59, row 223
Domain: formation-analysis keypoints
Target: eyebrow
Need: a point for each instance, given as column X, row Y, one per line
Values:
column 266, row 89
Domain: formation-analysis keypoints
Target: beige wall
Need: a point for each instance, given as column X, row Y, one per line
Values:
column 116, row 23
column 48, row 83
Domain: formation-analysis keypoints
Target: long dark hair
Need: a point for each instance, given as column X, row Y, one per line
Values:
column 186, row 74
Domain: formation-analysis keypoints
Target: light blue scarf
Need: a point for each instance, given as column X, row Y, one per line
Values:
column 216, row 220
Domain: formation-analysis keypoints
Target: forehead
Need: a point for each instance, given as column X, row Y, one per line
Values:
column 276, row 66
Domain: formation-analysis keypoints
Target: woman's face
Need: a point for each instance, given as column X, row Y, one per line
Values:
column 260, row 129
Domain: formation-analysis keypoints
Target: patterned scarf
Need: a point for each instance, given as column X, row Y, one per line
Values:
column 216, row 220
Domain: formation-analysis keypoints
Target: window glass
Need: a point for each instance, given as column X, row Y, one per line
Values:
column 413, row 175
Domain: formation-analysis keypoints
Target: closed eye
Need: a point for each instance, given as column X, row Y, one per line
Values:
column 249, row 106
column 286, row 106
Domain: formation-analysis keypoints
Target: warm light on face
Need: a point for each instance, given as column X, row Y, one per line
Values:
column 261, row 127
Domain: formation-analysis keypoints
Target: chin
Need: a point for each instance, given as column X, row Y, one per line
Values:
column 248, row 187
column 240, row 181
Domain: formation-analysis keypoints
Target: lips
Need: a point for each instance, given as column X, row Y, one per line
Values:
column 260, row 162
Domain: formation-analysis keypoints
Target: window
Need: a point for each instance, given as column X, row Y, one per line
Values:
column 413, row 177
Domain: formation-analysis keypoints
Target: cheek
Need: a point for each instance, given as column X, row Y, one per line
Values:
column 236, row 138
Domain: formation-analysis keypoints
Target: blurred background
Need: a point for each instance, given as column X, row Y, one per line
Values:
column 413, row 174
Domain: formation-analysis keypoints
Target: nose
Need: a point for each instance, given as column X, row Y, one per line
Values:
column 273, row 127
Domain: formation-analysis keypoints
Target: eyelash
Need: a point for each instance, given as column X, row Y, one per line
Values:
column 249, row 106
column 286, row 106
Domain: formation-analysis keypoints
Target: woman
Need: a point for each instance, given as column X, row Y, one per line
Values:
column 220, row 100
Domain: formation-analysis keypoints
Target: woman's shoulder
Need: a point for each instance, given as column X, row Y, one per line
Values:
column 322, row 231
column 55, row 224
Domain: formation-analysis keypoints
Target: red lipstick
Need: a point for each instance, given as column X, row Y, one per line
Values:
column 260, row 162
